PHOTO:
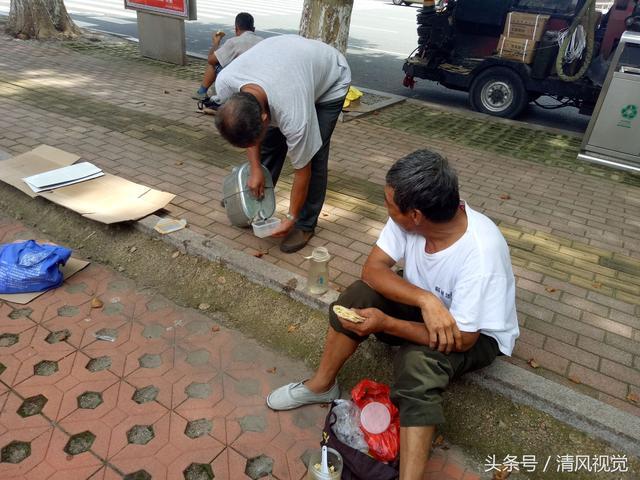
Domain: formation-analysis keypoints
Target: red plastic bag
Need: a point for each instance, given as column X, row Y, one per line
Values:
column 382, row 446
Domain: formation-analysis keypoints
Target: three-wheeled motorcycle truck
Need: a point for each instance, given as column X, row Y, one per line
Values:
column 508, row 53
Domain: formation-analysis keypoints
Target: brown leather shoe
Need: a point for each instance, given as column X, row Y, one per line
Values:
column 295, row 240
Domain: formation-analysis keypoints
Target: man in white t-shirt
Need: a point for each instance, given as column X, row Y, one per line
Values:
column 452, row 311
column 220, row 56
column 283, row 97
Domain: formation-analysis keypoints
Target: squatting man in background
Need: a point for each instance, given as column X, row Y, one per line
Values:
column 284, row 96
column 452, row 312
column 221, row 56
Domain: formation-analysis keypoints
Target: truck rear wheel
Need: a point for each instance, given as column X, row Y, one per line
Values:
column 499, row 91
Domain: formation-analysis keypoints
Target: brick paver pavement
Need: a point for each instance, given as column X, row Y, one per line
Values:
column 572, row 228
column 141, row 384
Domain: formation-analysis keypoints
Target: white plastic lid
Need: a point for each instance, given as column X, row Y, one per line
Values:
column 375, row 417
column 320, row 254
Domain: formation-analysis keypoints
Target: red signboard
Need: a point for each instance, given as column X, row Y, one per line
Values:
column 178, row 8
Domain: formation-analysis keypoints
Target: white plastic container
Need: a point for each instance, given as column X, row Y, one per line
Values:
column 264, row 228
column 375, row 417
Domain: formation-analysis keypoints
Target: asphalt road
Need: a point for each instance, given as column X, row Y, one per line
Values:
column 381, row 36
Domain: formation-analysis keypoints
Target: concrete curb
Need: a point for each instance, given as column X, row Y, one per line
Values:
column 256, row 270
column 591, row 416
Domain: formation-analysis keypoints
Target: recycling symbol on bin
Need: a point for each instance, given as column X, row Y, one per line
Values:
column 629, row 112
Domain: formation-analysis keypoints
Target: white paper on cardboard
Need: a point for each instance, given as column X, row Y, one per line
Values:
column 62, row 177
column 107, row 199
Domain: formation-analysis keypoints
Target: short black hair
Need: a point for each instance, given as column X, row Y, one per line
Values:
column 244, row 22
column 425, row 181
column 239, row 120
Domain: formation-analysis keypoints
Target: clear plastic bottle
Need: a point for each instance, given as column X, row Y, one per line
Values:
column 318, row 278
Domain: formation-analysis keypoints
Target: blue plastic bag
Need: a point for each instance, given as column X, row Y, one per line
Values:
column 30, row 267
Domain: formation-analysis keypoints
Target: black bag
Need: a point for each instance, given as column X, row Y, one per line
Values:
column 356, row 464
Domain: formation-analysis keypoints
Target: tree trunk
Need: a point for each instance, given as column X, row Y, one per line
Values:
column 41, row 19
column 328, row 21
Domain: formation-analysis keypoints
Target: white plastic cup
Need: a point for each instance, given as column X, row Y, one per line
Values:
column 334, row 458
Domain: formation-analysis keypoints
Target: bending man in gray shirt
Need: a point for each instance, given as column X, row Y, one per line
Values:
column 284, row 96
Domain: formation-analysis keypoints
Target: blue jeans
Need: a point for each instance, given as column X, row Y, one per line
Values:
column 273, row 152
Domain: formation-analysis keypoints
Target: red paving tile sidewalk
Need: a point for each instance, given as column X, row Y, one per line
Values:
column 170, row 395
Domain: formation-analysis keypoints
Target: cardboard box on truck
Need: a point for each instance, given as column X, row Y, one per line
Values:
column 518, row 49
column 528, row 26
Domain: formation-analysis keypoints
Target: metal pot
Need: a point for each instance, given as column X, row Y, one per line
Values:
column 241, row 206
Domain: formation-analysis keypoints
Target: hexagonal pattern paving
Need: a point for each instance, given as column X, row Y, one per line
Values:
column 140, row 389
column 58, row 336
column 106, row 334
column 80, row 443
column 68, row 311
column 198, row 390
column 45, row 368
column 198, row 471
column 150, row 360
column 9, row 339
column 145, row 394
column 32, row 406
column 15, row 452
column 99, row 364
column 140, row 434
column 138, row 475
column 89, row 400
column 258, row 467
column 198, row 428
column 20, row 313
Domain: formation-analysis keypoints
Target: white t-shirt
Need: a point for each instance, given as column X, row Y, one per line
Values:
column 296, row 73
column 473, row 277
column 236, row 46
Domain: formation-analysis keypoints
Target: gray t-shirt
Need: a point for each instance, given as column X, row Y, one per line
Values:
column 296, row 73
column 236, row 46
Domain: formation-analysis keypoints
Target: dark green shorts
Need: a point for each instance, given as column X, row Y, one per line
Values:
column 421, row 374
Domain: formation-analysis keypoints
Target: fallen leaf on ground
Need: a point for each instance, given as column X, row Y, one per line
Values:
column 133, row 249
column 505, row 196
column 292, row 328
column 175, row 254
column 597, row 285
column 550, row 289
column 532, row 363
column 96, row 303
column 574, row 379
column 290, row 286
column 325, row 214
column 215, row 328
column 271, row 370
column 438, row 441
column 632, row 397
column 222, row 280
column 204, row 306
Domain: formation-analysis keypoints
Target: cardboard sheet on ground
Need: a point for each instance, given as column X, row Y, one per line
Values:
column 107, row 199
column 73, row 266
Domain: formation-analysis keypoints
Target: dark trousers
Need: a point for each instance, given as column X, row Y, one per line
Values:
column 273, row 152
column 421, row 374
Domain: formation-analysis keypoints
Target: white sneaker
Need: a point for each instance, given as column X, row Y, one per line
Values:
column 296, row 395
